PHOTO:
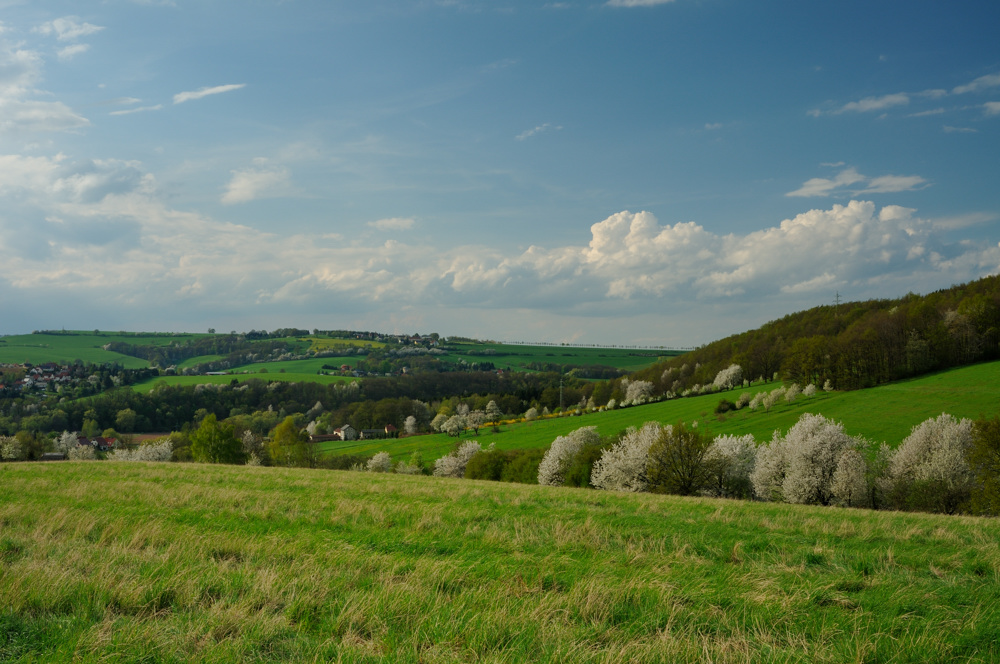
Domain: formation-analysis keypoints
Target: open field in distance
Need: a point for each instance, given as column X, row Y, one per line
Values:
column 107, row 561
column 884, row 413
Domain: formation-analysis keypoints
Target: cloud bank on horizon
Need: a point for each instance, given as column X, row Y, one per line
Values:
column 586, row 193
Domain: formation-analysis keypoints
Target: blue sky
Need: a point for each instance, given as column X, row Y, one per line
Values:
column 631, row 171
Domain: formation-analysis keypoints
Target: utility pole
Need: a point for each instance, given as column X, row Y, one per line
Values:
column 836, row 302
column 560, row 393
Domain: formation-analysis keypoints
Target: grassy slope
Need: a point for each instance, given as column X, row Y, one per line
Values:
column 177, row 563
column 41, row 348
column 881, row 413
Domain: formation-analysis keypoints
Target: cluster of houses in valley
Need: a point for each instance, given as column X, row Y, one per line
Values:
column 347, row 432
column 22, row 377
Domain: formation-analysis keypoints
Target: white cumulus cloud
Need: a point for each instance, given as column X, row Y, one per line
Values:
column 260, row 181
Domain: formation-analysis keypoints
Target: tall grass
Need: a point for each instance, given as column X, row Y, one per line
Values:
column 176, row 563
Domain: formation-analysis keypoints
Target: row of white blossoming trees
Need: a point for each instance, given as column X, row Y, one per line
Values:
column 815, row 462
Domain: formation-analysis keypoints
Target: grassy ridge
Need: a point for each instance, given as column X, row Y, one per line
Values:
column 178, row 563
column 85, row 346
column 885, row 413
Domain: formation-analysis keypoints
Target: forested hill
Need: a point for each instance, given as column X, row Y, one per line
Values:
column 855, row 344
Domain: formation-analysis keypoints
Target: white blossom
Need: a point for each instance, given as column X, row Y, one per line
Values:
column 555, row 463
column 729, row 377
column 380, row 463
column 623, row 467
column 153, row 450
column 453, row 465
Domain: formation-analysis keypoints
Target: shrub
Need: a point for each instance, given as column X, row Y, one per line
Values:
column 676, row 462
column 984, row 461
column 11, row 449
column 729, row 461
column 523, row 467
column 725, row 406
column 930, row 470
column 579, row 471
column 487, row 465
column 380, row 463
column 623, row 466
column 743, row 401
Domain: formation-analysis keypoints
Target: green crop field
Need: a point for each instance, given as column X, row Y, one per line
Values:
column 517, row 357
column 885, row 413
column 84, row 346
column 133, row 562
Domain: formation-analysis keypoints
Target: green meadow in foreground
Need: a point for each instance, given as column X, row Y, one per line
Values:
column 885, row 413
column 105, row 561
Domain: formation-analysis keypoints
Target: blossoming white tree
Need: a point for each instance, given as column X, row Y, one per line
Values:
column 930, row 469
column 637, row 392
column 555, row 463
column 160, row 449
column 729, row 377
column 453, row 465
column 799, row 467
column 380, row 463
column 623, row 467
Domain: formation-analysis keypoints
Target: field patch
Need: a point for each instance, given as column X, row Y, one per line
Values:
column 217, row 563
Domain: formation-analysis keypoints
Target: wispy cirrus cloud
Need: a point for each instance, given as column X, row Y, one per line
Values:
column 540, row 129
column 867, row 105
column 637, row 3
column 843, row 183
column 140, row 109
column 979, row 84
column 182, row 97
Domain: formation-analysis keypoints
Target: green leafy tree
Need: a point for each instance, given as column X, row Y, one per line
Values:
column 677, row 461
column 984, row 459
column 289, row 444
column 215, row 443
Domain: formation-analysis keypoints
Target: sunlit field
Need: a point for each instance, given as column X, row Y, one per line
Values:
column 106, row 561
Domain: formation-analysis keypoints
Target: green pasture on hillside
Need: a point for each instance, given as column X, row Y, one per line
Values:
column 517, row 357
column 84, row 346
column 311, row 366
column 885, row 413
column 146, row 562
